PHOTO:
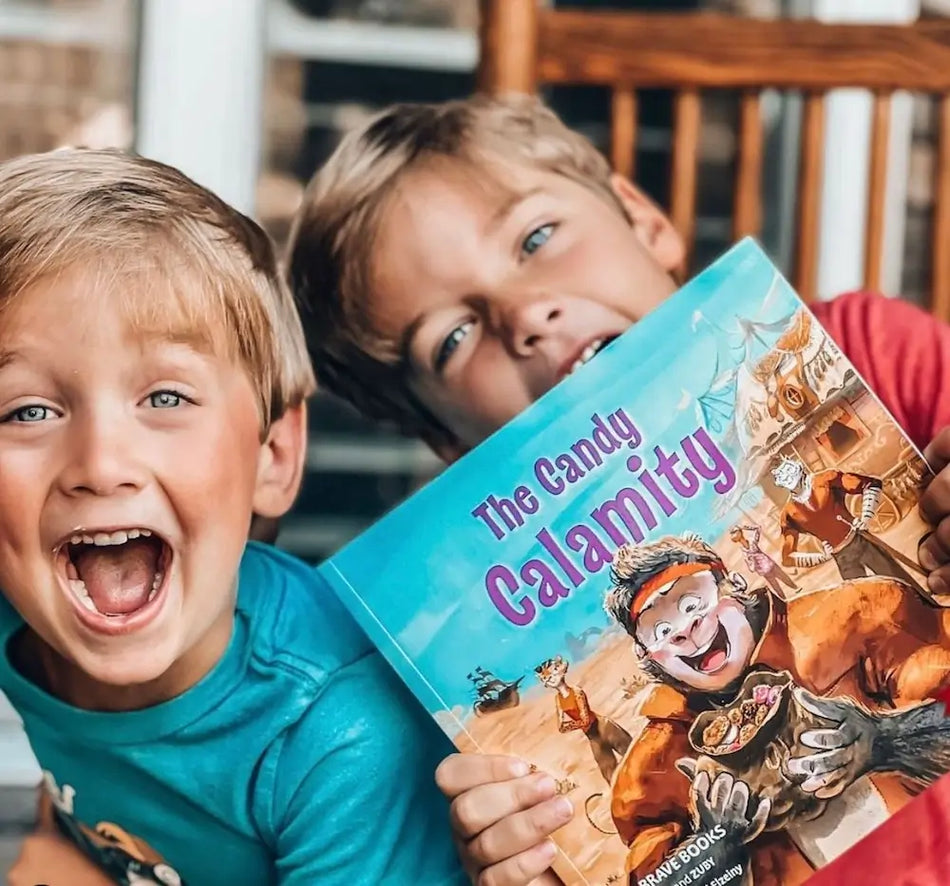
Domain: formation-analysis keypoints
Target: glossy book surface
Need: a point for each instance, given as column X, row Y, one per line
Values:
column 684, row 583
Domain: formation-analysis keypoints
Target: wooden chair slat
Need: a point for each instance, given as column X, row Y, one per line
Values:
column 687, row 113
column 940, row 304
column 747, row 217
column 810, row 178
column 877, row 191
column 623, row 131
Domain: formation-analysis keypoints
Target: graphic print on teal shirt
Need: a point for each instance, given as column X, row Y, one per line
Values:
column 300, row 758
column 127, row 859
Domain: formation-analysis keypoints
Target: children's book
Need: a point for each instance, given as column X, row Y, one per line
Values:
column 684, row 583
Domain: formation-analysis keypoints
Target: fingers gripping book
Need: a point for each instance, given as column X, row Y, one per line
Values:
column 684, row 583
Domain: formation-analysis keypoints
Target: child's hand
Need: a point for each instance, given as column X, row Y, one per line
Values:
column 934, row 552
column 502, row 816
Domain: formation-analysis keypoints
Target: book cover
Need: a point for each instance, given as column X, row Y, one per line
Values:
column 684, row 583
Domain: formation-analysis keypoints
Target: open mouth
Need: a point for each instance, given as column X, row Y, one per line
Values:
column 117, row 573
column 591, row 351
column 714, row 657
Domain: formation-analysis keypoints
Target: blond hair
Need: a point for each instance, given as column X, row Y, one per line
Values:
column 331, row 245
column 188, row 264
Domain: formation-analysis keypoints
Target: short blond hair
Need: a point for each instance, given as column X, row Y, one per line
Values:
column 190, row 264
column 331, row 244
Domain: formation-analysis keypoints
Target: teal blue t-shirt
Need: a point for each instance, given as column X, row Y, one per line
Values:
column 299, row 760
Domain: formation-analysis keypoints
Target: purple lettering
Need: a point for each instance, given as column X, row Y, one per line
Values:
column 588, row 453
column 546, row 476
column 659, row 496
column 505, row 508
column 501, row 585
column 720, row 470
column 526, row 500
column 622, row 507
column 596, row 554
column 482, row 513
column 574, row 575
column 602, row 437
column 572, row 470
column 538, row 574
column 625, row 429
column 686, row 485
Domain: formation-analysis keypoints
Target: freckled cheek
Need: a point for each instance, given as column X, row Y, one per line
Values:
column 24, row 487
column 605, row 276
column 495, row 388
column 625, row 280
column 24, row 562
column 213, row 473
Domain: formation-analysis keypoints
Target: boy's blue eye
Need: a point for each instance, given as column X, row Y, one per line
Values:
column 451, row 342
column 30, row 414
column 536, row 239
column 165, row 399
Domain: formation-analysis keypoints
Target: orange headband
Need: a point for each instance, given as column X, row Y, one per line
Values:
column 671, row 573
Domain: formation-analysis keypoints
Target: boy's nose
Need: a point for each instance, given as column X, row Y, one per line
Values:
column 101, row 461
column 530, row 321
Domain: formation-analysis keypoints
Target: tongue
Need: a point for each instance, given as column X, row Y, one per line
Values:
column 713, row 660
column 118, row 577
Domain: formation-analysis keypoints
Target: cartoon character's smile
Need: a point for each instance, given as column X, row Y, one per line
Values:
column 695, row 630
column 713, row 657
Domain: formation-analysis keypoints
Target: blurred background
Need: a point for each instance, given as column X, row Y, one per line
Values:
column 249, row 96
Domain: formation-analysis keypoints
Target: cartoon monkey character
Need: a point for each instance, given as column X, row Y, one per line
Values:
column 697, row 630
column 608, row 741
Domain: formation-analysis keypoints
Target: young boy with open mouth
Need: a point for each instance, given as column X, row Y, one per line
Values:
column 203, row 710
column 455, row 261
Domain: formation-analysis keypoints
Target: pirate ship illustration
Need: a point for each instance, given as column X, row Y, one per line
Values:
column 492, row 694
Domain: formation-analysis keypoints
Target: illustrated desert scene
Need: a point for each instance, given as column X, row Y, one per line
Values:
column 799, row 401
column 610, row 678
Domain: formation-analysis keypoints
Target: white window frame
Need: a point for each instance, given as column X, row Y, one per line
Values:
column 847, row 158
column 201, row 82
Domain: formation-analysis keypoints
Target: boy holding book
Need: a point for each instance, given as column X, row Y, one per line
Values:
column 203, row 710
column 454, row 262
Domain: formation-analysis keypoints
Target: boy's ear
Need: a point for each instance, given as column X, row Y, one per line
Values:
column 651, row 225
column 281, row 465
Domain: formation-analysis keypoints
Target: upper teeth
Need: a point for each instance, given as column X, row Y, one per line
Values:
column 587, row 354
column 119, row 537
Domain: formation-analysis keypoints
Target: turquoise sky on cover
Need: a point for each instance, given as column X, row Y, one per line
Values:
column 420, row 570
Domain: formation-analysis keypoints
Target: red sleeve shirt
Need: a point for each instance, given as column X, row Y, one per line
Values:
column 901, row 351
column 903, row 354
column 910, row 849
